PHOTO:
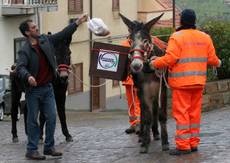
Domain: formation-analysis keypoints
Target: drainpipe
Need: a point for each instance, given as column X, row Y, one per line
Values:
column 174, row 17
column 90, row 47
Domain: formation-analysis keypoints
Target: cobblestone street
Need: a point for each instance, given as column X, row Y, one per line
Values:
column 100, row 138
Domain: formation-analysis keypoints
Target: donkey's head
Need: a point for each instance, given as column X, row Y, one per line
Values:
column 141, row 42
column 63, row 58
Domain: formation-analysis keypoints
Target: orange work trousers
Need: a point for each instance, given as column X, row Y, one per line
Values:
column 134, row 110
column 186, row 109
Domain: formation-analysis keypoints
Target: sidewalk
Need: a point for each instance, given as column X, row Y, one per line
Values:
column 100, row 138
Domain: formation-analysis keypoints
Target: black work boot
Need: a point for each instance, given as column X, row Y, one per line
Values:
column 194, row 149
column 131, row 129
column 35, row 155
column 178, row 152
column 138, row 129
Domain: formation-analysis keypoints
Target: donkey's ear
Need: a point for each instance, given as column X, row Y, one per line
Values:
column 128, row 22
column 149, row 24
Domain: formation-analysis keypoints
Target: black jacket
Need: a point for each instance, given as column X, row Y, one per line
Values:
column 28, row 62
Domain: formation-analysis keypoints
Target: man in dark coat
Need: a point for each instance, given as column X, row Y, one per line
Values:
column 36, row 68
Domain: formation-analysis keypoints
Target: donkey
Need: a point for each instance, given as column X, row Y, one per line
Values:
column 60, row 84
column 147, row 83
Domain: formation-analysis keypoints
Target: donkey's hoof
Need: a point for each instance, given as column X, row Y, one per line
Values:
column 156, row 137
column 138, row 129
column 144, row 150
column 139, row 140
column 15, row 140
column 69, row 138
column 165, row 147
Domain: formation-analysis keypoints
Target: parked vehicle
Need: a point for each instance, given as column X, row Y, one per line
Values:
column 5, row 97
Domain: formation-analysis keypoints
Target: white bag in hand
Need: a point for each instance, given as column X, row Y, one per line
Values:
column 98, row 27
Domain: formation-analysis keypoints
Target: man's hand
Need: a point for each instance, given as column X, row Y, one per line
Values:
column 151, row 62
column 83, row 18
column 220, row 63
column 32, row 81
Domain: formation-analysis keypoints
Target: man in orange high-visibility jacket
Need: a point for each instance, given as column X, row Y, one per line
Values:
column 134, row 110
column 188, row 53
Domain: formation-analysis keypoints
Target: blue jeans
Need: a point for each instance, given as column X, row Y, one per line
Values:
column 41, row 99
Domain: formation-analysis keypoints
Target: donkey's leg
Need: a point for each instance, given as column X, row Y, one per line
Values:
column 163, row 121
column 146, row 107
column 142, row 105
column 42, row 121
column 15, row 96
column 155, row 130
column 146, row 130
column 60, row 97
column 141, row 125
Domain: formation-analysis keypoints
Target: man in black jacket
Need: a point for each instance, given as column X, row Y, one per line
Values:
column 36, row 68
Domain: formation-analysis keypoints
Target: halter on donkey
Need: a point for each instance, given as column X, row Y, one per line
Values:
column 147, row 83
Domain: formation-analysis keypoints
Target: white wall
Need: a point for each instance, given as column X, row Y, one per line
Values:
column 8, row 31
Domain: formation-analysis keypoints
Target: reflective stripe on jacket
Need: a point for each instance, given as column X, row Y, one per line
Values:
column 187, row 55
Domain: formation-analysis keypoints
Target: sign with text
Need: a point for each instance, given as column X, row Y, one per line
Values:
column 109, row 61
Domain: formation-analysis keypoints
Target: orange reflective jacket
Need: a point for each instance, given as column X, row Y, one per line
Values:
column 128, row 80
column 187, row 55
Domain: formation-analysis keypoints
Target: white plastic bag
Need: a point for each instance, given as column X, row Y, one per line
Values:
column 98, row 27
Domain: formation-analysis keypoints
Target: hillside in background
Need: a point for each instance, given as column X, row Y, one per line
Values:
column 207, row 9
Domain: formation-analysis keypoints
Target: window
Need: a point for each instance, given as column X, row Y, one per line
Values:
column 75, row 6
column 75, row 79
column 18, row 43
column 116, row 5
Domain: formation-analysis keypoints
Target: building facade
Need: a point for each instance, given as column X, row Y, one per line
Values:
column 85, row 92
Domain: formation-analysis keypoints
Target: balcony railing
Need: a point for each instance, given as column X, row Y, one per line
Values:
column 26, row 7
column 29, row 2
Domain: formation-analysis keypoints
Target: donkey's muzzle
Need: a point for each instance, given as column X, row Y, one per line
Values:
column 136, row 66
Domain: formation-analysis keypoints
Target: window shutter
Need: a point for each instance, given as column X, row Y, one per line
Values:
column 79, row 73
column 17, row 1
column 75, row 6
column 116, row 5
column 71, row 83
column 75, row 79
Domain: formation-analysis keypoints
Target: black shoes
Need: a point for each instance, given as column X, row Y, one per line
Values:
column 178, row 152
column 130, row 130
column 195, row 149
column 35, row 155
column 138, row 129
column 52, row 152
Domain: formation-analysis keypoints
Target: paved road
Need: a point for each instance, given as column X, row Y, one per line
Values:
column 100, row 138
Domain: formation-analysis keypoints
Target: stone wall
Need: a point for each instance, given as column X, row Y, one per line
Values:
column 216, row 94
